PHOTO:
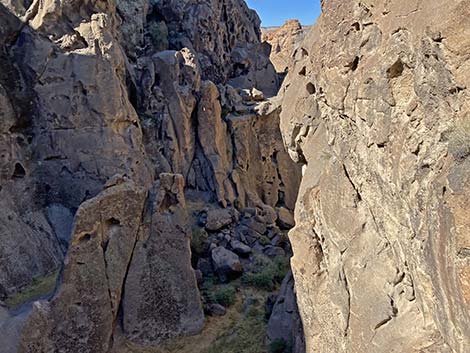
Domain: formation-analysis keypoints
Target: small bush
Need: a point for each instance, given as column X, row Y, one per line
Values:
column 199, row 241
column 40, row 287
column 268, row 273
column 225, row 295
column 261, row 280
column 264, row 240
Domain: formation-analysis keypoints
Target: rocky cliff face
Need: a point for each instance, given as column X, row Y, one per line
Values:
column 125, row 126
column 283, row 41
column 376, row 109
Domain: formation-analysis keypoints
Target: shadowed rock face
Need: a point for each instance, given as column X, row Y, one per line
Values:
column 161, row 299
column 128, row 260
column 24, row 228
column 376, row 108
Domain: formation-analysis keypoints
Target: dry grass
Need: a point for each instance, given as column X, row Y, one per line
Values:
column 241, row 330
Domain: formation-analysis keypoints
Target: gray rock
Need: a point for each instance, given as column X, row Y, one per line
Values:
column 61, row 219
column 101, row 247
column 205, row 266
column 273, row 251
column 215, row 310
column 227, row 264
column 239, row 248
column 285, row 323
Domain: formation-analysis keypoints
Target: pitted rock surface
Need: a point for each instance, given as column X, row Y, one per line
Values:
column 376, row 109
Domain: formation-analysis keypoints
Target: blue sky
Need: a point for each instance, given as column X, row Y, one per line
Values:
column 276, row 12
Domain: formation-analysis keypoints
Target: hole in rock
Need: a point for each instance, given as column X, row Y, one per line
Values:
column 311, row 88
column 354, row 64
column 113, row 222
column 396, row 69
column 19, row 171
column 84, row 238
column 303, row 71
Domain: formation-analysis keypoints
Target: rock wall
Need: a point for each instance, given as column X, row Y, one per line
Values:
column 283, row 41
column 376, row 109
column 114, row 115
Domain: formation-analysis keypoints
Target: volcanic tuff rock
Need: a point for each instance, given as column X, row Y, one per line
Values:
column 82, row 315
column 125, row 260
column 117, row 109
column 285, row 324
column 63, row 139
column 161, row 299
column 283, row 41
column 376, row 108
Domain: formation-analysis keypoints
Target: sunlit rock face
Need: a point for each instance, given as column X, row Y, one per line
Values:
column 376, row 108
column 283, row 41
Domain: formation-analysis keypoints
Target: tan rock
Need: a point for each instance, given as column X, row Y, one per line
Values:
column 82, row 314
column 161, row 298
column 283, row 41
column 372, row 106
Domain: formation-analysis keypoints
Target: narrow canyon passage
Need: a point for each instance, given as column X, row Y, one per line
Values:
column 176, row 178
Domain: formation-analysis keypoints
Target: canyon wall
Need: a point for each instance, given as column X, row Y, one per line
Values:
column 283, row 41
column 376, row 109
column 125, row 126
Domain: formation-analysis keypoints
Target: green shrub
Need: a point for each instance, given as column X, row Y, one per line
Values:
column 40, row 286
column 261, row 280
column 225, row 295
column 264, row 240
column 268, row 273
column 247, row 332
column 199, row 241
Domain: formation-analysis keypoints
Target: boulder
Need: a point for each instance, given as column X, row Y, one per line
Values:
column 162, row 299
column 81, row 315
column 215, row 310
column 239, row 248
column 285, row 218
column 205, row 266
column 227, row 264
column 273, row 251
column 217, row 219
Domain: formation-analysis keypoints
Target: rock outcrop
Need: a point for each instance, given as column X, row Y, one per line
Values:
column 376, row 108
column 161, row 299
column 29, row 244
column 129, row 260
column 283, row 41
column 113, row 114
column 82, row 315
column 285, row 324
